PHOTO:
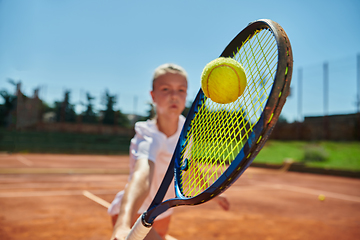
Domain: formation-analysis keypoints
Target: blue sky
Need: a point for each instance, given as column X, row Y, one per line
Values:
column 91, row 46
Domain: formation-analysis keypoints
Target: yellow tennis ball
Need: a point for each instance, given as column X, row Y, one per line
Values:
column 223, row 80
column 321, row 197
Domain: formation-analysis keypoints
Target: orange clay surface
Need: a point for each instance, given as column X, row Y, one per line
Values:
column 41, row 197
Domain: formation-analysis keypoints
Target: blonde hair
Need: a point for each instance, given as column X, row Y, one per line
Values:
column 168, row 68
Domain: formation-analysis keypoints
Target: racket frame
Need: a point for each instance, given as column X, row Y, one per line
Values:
column 257, row 138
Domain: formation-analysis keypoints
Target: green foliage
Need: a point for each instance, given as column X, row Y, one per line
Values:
column 65, row 111
column 46, row 107
column 109, row 113
column 122, row 120
column 89, row 116
column 282, row 119
column 9, row 104
column 187, row 109
column 151, row 113
column 7, row 107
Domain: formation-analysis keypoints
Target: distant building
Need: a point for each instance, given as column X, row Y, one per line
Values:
column 28, row 109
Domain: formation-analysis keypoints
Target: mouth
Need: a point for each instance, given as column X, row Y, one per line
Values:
column 174, row 106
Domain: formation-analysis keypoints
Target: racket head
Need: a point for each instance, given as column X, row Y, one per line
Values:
column 202, row 171
column 219, row 141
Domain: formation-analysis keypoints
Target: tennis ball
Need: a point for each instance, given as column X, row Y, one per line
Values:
column 321, row 197
column 223, row 80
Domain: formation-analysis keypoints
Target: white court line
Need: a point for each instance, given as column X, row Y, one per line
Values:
column 96, row 199
column 310, row 191
column 106, row 204
column 24, row 160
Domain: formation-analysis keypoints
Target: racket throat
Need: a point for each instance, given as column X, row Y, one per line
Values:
column 144, row 222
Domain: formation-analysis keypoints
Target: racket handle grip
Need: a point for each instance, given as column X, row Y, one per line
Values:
column 138, row 231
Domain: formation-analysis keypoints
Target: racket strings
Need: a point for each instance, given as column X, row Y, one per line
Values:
column 219, row 131
column 205, row 136
column 260, row 60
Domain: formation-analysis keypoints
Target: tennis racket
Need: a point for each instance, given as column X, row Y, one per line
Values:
column 219, row 141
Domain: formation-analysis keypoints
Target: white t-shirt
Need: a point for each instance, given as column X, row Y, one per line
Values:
column 149, row 143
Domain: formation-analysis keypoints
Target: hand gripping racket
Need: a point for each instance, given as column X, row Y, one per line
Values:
column 219, row 141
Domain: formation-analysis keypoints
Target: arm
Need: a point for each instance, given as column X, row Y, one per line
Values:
column 135, row 194
column 223, row 202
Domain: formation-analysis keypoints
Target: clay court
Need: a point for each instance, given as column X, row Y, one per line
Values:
column 42, row 196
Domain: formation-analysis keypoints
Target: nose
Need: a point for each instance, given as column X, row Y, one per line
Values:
column 174, row 94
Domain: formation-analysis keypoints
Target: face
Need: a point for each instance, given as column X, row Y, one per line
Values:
column 169, row 93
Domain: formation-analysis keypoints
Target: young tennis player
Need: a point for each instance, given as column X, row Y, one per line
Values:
column 151, row 150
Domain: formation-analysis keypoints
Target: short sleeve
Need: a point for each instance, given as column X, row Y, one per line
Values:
column 144, row 145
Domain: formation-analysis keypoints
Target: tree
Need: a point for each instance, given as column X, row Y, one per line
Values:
column 282, row 119
column 64, row 110
column 46, row 107
column 89, row 115
column 187, row 109
column 109, row 113
column 122, row 120
column 7, row 107
column 10, row 101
